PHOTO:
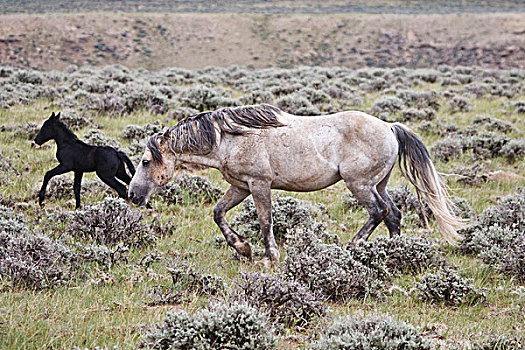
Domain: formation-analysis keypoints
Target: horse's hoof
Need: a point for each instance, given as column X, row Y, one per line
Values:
column 244, row 249
column 352, row 244
column 152, row 213
column 265, row 263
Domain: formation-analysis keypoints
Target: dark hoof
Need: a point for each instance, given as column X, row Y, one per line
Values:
column 352, row 244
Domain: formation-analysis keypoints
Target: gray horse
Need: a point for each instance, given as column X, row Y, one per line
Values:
column 259, row 148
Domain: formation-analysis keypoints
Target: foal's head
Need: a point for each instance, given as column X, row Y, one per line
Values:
column 156, row 168
column 48, row 131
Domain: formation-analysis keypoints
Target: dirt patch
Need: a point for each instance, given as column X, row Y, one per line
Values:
column 156, row 41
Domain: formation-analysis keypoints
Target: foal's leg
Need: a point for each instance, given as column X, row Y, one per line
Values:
column 76, row 187
column 377, row 208
column 122, row 175
column 263, row 203
column 60, row 169
column 113, row 183
column 393, row 219
column 233, row 196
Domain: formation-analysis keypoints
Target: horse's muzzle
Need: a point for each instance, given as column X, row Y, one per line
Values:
column 138, row 200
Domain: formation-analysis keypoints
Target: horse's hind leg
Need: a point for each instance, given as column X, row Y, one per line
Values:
column 377, row 208
column 233, row 196
column 113, row 183
column 393, row 219
column 122, row 174
column 262, row 198
column 76, row 187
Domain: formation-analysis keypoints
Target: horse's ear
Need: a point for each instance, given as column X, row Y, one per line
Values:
column 52, row 115
column 58, row 115
column 166, row 134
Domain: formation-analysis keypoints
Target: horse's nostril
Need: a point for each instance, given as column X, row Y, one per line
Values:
column 131, row 195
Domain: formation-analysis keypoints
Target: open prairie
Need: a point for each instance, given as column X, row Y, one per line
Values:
column 109, row 275
column 104, row 275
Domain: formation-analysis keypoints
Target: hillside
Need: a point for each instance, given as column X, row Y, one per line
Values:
column 156, row 41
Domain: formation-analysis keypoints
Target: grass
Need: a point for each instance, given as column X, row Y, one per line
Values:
column 110, row 307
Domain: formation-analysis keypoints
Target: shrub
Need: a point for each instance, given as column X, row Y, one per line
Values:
column 418, row 114
column 287, row 303
column 190, row 188
column 514, row 261
column 400, row 254
column 327, row 268
column 517, row 106
column 493, row 243
column 185, row 276
column 378, row 332
column 109, row 222
column 202, row 98
column 499, row 342
column 508, row 213
column 388, row 104
column 136, row 132
column 32, row 260
column 473, row 176
column 513, row 150
column 296, row 104
column 6, row 166
column 287, row 213
column 492, row 124
column 181, row 113
column 76, row 121
column 27, row 131
column 449, row 287
column 485, row 145
column 420, row 100
column 459, row 104
column 61, row 187
column 238, row 327
column 98, row 138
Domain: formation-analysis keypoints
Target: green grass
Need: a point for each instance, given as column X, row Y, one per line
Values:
column 111, row 307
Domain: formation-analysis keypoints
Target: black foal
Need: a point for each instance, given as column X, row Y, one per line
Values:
column 75, row 155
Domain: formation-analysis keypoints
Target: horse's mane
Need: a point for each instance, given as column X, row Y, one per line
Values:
column 60, row 124
column 196, row 134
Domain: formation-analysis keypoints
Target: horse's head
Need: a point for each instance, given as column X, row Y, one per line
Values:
column 47, row 131
column 156, row 168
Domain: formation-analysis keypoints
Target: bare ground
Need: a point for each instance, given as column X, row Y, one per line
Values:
column 154, row 41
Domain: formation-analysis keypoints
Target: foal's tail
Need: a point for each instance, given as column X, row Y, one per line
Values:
column 417, row 167
column 128, row 162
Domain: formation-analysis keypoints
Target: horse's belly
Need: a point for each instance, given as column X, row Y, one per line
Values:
column 304, row 176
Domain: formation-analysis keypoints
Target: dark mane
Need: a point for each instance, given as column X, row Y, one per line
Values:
column 61, row 125
column 197, row 134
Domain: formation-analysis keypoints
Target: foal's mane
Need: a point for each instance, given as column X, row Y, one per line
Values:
column 61, row 125
column 197, row 134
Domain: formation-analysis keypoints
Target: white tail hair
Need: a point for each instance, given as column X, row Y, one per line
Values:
column 417, row 167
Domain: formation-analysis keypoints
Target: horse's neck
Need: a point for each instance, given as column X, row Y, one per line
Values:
column 207, row 160
column 62, row 138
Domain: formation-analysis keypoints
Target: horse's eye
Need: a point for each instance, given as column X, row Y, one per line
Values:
column 145, row 162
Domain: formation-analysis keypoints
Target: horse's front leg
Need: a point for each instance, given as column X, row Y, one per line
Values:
column 263, row 204
column 232, row 197
column 77, row 187
column 58, row 170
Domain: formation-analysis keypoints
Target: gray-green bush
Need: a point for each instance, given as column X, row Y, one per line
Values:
column 448, row 287
column 379, row 332
column 221, row 326
column 287, row 303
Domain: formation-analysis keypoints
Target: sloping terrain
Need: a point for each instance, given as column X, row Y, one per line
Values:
column 155, row 41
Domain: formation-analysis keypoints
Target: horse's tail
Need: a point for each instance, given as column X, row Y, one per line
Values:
column 128, row 162
column 417, row 167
